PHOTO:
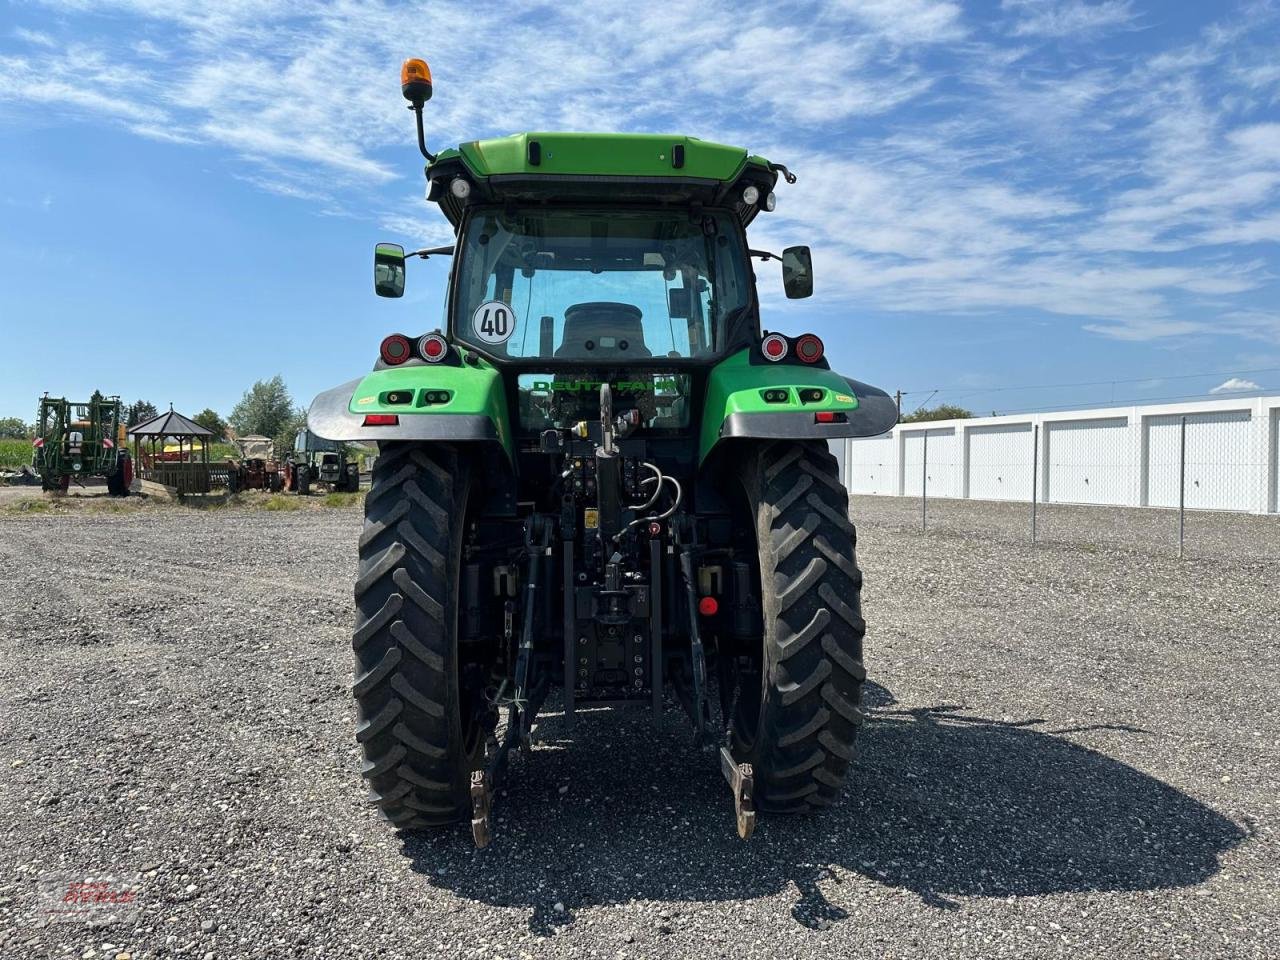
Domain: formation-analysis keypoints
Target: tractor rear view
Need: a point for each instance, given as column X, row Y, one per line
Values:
column 78, row 440
column 602, row 478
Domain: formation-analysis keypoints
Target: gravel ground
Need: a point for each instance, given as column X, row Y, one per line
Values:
column 1071, row 752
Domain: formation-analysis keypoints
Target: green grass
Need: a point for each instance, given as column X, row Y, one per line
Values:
column 28, row 506
column 279, row 501
column 340, row 499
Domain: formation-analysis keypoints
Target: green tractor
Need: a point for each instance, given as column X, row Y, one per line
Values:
column 318, row 461
column 602, row 477
column 77, row 440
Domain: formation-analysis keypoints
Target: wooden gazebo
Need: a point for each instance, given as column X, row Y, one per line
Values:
column 185, row 469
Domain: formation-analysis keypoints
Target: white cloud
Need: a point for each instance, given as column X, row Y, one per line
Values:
column 36, row 38
column 909, row 21
column 1235, row 385
column 943, row 169
column 1076, row 19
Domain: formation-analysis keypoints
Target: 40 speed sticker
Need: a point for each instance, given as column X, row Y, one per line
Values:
column 493, row 322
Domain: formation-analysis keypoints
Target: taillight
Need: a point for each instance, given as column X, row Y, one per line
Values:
column 809, row 348
column 381, row 420
column 395, row 349
column 774, row 347
column 433, row 348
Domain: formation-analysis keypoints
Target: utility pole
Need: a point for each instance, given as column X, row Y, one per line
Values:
column 898, row 396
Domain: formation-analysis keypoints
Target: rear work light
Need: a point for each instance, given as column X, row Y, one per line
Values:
column 395, row 349
column 433, row 348
column 774, row 347
column 381, row 420
column 809, row 348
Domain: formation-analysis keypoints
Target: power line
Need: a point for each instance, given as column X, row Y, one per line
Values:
column 974, row 391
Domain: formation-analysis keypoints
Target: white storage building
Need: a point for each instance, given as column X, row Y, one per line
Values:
column 1127, row 456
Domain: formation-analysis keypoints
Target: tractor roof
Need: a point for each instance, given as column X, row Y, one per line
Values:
column 599, row 167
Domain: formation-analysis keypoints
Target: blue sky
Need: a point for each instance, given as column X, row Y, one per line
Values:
column 998, row 194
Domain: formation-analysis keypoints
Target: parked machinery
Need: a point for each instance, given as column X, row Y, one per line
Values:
column 318, row 461
column 256, row 468
column 77, row 440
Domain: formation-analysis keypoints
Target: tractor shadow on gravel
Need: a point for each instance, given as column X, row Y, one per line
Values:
column 939, row 803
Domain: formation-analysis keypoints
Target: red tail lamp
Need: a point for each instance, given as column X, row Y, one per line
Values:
column 395, row 349
column 433, row 348
column 774, row 347
column 708, row 606
column 381, row 420
column 809, row 348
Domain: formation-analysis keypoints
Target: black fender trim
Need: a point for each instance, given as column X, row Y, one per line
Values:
column 330, row 418
column 877, row 413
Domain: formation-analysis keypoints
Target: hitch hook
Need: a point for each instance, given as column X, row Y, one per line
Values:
column 741, row 779
column 481, row 808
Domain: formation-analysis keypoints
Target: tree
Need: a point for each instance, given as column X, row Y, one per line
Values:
column 289, row 432
column 209, row 419
column 140, row 411
column 265, row 409
column 14, row 428
column 944, row 411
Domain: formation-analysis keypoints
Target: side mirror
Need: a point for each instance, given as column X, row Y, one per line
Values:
column 388, row 270
column 797, row 272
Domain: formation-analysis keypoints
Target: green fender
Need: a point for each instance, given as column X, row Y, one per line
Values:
column 474, row 405
column 736, row 404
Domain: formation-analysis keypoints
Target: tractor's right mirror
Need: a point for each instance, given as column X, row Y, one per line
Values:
column 388, row 270
column 797, row 272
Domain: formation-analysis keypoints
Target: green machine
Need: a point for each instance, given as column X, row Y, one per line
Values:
column 602, row 479
column 76, row 440
column 318, row 461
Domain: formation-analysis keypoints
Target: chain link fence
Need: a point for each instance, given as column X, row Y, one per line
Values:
column 1191, row 484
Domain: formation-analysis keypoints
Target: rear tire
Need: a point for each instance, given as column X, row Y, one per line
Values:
column 798, row 711
column 421, row 729
column 304, row 482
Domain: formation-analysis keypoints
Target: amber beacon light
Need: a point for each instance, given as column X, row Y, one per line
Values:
column 415, row 81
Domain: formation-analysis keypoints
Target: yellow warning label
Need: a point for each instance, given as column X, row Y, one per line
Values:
column 366, row 400
column 844, row 398
column 591, row 518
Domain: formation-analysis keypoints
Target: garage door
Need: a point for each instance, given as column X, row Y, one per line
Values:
column 1222, row 466
column 943, row 465
column 1087, row 462
column 873, row 466
column 1000, row 462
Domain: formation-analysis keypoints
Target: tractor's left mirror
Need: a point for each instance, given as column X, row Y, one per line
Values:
column 797, row 272
column 388, row 270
